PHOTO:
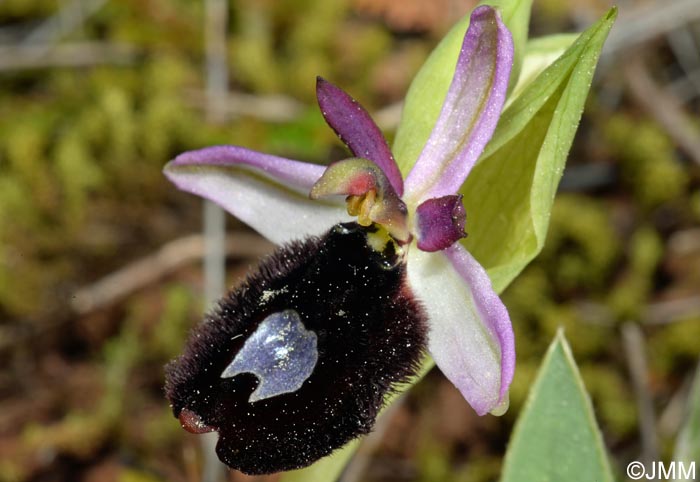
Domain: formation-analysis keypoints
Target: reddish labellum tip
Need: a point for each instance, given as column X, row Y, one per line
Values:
column 193, row 423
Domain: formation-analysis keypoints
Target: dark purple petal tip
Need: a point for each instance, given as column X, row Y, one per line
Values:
column 440, row 222
column 354, row 126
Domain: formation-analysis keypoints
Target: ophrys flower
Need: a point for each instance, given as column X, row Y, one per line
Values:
column 298, row 361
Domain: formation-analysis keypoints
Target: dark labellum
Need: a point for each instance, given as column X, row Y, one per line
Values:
column 297, row 361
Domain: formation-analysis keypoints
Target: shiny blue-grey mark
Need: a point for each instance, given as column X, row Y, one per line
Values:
column 281, row 353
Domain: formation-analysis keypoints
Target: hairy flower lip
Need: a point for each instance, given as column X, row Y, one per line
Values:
column 470, row 335
column 371, row 335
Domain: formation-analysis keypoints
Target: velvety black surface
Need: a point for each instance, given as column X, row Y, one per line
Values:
column 371, row 335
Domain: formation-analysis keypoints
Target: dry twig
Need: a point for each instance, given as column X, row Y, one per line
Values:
column 657, row 313
column 357, row 467
column 151, row 268
column 663, row 107
column 672, row 418
column 269, row 108
column 634, row 345
column 69, row 18
column 82, row 54
column 639, row 25
column 216, row 34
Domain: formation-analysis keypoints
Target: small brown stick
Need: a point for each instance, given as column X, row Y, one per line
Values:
column 270, row 108
column 638, row 25
column 657, row 313
column 673, row 416
column 69, row 18
column 662, row 106
column 71, row 55
column 153, row 267
column 665, row 312
column 634, row 346
column 389, row 117
column 280, row 108
column 357, row 467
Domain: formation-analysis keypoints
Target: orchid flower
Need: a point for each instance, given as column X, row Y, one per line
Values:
column 418, row 287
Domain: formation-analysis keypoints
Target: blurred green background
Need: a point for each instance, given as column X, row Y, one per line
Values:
column 100, row 273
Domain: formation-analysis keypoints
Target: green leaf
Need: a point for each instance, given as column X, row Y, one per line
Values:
column 508, row 195
column 516, row 16
column 556, row 437
column 688, row 443
column 429, row 88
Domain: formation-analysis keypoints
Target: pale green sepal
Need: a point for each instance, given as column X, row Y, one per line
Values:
column 687, row 448
column 516, row 16
column 429, row 87
column 509, row 194
column 540, row 53
column 556, row 437
column 583, row 53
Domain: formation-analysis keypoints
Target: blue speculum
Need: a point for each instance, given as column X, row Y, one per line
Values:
column 281, row 353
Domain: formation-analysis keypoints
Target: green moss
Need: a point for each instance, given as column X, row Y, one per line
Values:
column 630, row 294
column 27, row 8
column 117, row 104
column 252, row 51
column 134, row 475
column 648, row 160
column 675, row 347
column 18, row 293
column 695, row 204
column 78, row 174
column 25, row 151
column 582, row 245
column 592, row 339
column 121, row 355
column 525, row 372
column 160, row 431
column 12, row 471
column 292, row 139
column 434, row 463
column 174, row 323
column 612, row 398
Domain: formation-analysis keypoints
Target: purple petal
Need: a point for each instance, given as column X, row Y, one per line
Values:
column 269, row 193
column 470, row 336
column 471, row 109
column 440, row 222
column 357, row 130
